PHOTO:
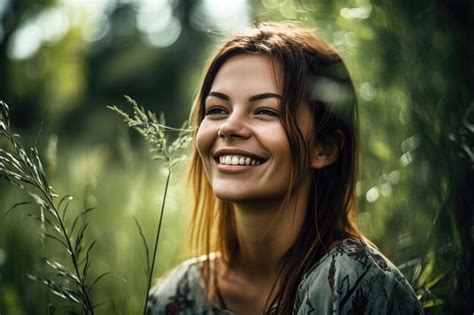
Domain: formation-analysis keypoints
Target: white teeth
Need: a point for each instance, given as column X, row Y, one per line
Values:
column 238, row 160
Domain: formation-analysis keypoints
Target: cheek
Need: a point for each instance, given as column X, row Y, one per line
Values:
column 205, row 137
column 278, row 142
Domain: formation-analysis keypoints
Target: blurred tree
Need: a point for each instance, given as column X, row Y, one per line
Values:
column 410, row 62
column 68, row 82
column 411, row 65
column 13, row 15
column 437, row 76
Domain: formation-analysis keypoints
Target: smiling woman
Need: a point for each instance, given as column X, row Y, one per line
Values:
column 273, row 174
column 242, row 123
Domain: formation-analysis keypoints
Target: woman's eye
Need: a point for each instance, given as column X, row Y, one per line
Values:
column 268, row 112
column 216, row 111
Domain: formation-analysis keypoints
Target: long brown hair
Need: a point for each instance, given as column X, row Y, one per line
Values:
column 313, row 74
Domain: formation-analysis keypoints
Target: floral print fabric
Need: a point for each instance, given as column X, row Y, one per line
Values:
column 353, row 278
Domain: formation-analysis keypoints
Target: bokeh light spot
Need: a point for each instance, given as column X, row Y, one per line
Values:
column 406, row 158
column 154, row 17
column 167, row 36
column 355, row 13
column 328, row 90
column 25, row 42
column 404, row 117
column 54, row 24
column 367, row 92
column 386, row 189
column 394, row 177
column 372, row 194
column 225, row 17
column 410, row 143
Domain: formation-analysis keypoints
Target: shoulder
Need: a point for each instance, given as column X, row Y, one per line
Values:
column 355, row 278
column 179, row 292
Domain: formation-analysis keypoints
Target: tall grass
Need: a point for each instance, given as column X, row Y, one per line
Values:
column 23, row 168
column 153, row 130
column 71, row 281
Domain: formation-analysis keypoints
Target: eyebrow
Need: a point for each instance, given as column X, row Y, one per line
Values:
column 253, row 98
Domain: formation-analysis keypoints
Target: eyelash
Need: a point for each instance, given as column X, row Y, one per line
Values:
column 262, row 111
column 268, row 112
column 214, row 111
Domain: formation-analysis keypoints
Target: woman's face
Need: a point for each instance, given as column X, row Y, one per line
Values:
column 241, row 141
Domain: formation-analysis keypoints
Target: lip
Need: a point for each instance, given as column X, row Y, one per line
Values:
column 235, row 169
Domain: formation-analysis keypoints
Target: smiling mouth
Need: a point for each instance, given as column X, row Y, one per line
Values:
column 238, row 160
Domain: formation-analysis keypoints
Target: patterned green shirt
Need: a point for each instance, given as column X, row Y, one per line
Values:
column 352, row 278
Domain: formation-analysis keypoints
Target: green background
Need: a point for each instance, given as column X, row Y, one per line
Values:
column 63, row 62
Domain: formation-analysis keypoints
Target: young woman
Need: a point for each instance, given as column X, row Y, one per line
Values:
column 273, row 171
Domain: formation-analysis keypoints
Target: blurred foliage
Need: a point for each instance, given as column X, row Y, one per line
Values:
column 63, row 62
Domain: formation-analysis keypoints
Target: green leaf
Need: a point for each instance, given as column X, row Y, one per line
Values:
column 44, row 220
column 433, row 303
column 82, row 214
column 53, row 237
column 96, row 281
column 57, row 289
column 145, row 245
column 78, row 245
column 16, row 205
column 66, row 199
column 87, row 261
column 62, row 271
column 4, row 119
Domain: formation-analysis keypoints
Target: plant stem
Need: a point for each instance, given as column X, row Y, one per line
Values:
column 89, row 307
column 150, row 275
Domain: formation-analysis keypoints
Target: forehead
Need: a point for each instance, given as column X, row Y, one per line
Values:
column 249, row 74
column 245, row 75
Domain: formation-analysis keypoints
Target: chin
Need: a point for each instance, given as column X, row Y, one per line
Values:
column 248, row 197
column 232, row 196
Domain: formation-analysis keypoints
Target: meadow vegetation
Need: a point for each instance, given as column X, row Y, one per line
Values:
column 410, row 64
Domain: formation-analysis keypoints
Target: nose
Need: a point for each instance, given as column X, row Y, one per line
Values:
column 234, row 127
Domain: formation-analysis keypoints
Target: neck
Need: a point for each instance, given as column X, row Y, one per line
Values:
column 266, row 231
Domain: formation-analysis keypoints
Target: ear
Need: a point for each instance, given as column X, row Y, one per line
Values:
column 326, row 150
